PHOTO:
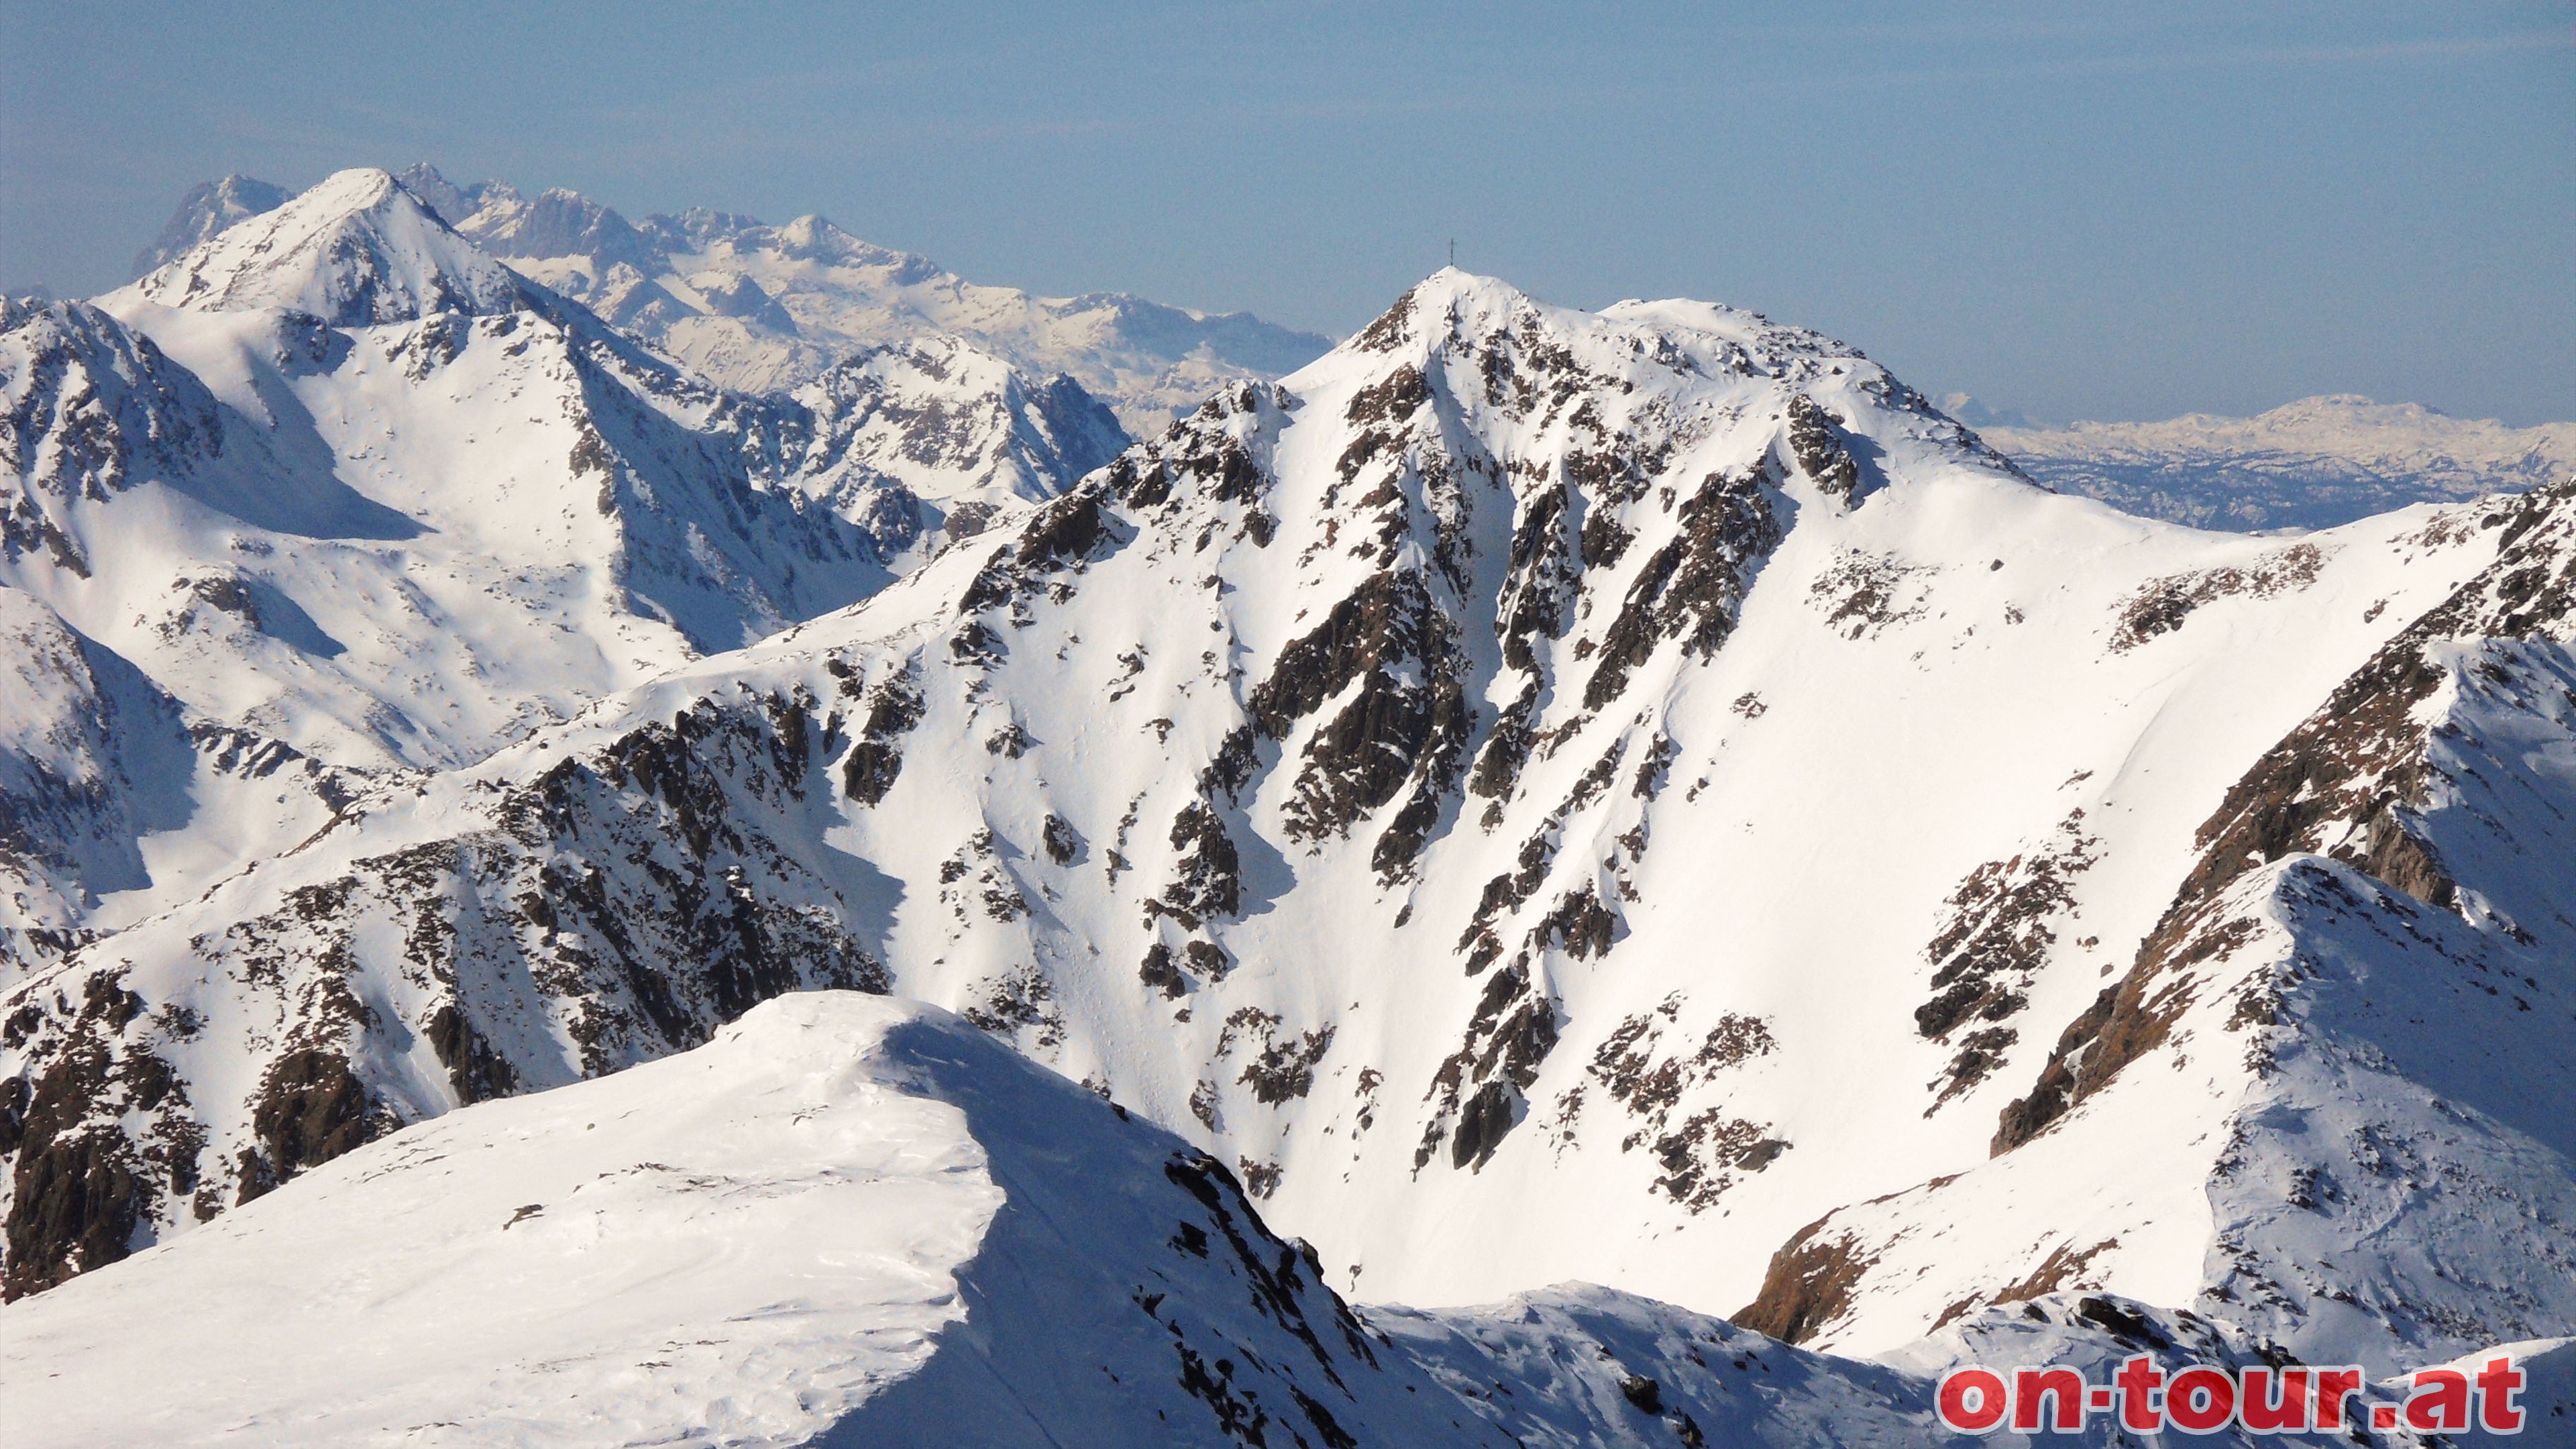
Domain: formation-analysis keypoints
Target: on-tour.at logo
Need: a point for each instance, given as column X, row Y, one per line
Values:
column 2204, row 1399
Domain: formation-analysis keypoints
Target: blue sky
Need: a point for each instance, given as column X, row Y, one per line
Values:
column 2083, row 210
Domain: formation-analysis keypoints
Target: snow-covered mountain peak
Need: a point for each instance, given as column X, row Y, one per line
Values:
column 453, row 201
column 1658, row 380
column 1454, row 309
column 205, row 213
column 937, row 421
column 355, row 250
column 760, row 308
column 556, row 223
column 1524, row 786
column 91, row 408
column 814, row 238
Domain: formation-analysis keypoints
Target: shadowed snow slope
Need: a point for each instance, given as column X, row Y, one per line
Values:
column 205, row 212
column 348, row 493
column 844, row 1215
column 850, row 1221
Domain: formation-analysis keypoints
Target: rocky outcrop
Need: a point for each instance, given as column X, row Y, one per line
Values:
column 617, row 906
column 1808, row 1285
column 88, row 408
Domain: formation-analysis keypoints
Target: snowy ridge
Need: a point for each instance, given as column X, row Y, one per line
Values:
column 355, row 250
column 403, row 543
column 288, row 524
column 934, row 421
column 841, row 1212
column 87, row 747
column 2314, row 463
column 853, row 1221
column 2365, row 971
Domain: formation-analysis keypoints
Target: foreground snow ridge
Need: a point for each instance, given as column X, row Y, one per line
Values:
column 846, row 1215
column 853, row 1220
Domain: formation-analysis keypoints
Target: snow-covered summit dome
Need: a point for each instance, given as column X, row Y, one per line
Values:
column 355, row 250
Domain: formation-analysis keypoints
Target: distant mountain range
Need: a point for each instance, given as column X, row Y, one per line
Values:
column 2315, row 463
column 762, row 308
column 759, row 308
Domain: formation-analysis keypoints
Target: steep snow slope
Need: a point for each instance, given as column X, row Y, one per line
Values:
column 406, row 541
column 853, row 1221
column 87, row 747
column 396, row 543
column 2314, row 463
column 363, row 246
column 354, row 250
column 1543, row 795
column 762, row 308
column 2368, row 973
column 467, row 509
column 111, row 798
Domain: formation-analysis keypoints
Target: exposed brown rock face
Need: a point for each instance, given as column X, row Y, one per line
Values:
column 79, row 1195
column 1997, row 930
column 2163, row 604
column 1694, row 586
column 1808, row 1285
column 869, row 770
column 311, row 1108
column 629, row 895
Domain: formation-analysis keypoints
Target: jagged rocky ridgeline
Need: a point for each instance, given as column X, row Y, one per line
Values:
column 1540, row 795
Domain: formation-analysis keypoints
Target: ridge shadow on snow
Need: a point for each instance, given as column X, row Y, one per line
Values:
column 854, row 1221
column 846, row 1216
column 1126, row 1292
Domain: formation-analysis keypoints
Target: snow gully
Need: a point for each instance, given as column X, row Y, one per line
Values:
column 2205, row 1399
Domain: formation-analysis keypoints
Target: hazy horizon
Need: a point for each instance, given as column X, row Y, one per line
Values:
column 2075, row 213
